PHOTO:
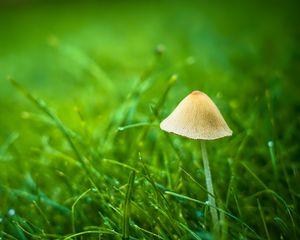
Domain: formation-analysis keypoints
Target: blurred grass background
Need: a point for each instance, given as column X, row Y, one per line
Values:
column 103, row 66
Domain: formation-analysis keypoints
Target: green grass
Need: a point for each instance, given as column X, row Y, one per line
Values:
column 84, row 88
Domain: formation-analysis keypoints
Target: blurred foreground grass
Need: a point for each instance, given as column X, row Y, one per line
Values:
column 98, row 78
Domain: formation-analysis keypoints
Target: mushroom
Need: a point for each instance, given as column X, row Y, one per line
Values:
column 197, row 117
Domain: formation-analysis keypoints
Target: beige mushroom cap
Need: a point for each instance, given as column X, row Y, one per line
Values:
column 197, row 117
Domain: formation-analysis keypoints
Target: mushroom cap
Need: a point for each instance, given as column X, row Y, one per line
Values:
column 197, row 117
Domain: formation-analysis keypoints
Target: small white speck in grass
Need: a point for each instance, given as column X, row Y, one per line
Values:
column 207, row 202
column 1, row 220
column 273, row 157
column 270, row 144
column 11, row 212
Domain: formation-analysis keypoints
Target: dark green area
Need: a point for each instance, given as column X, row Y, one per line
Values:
column 93, row 81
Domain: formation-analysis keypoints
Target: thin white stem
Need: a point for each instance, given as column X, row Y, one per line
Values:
column 211, row 196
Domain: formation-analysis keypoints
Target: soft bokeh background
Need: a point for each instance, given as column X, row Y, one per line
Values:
column 240, row 50
column 101, row 65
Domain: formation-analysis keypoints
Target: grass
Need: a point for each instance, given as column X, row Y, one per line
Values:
column 84, row 88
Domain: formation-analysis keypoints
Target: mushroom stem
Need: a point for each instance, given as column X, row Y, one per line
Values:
column 211, row 196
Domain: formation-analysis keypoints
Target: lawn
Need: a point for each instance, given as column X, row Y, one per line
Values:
column 84, row 87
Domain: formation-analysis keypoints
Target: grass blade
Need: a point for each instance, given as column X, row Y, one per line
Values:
column 73, row 208
column 263, row 219
column 44, row 108
column 126, row 208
